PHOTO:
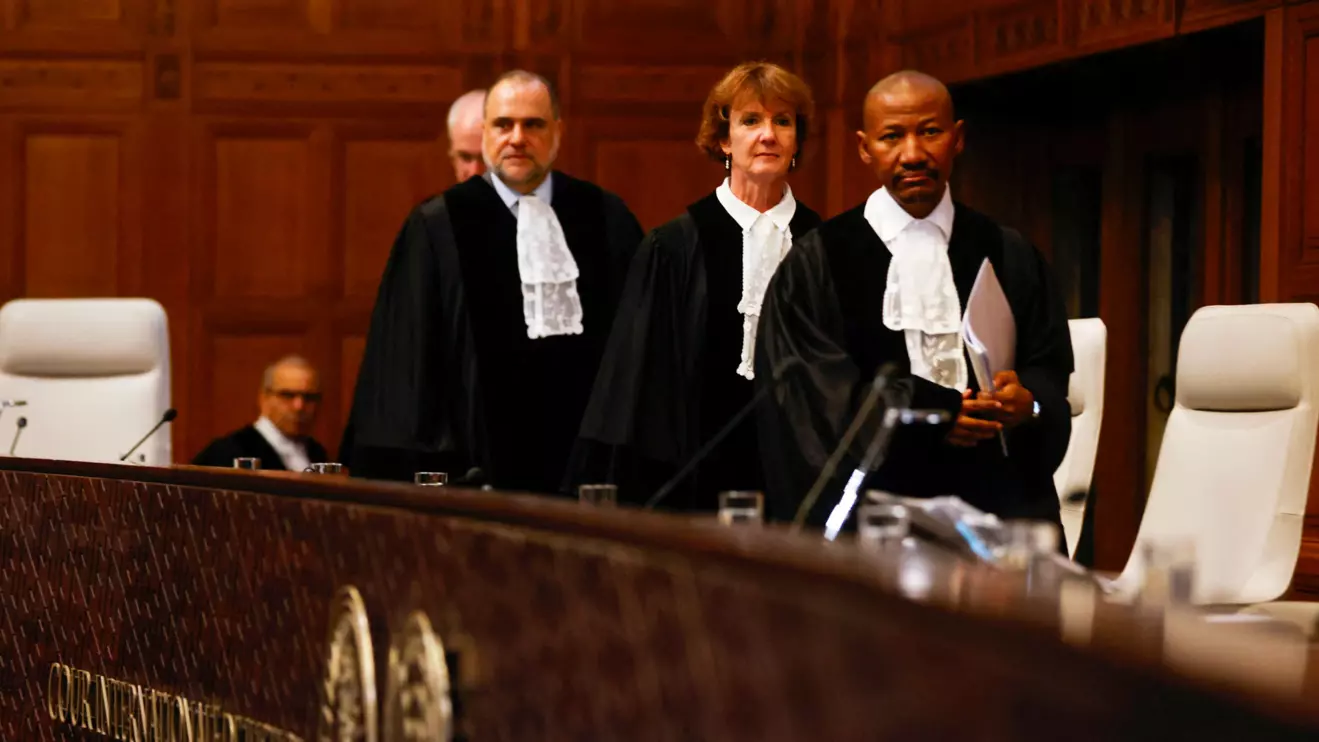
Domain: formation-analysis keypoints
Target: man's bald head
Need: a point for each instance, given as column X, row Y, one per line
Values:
column 909, row 137
column 466, row 118
column 901, row 87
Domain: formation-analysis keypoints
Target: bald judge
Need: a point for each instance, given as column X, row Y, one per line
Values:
column 493, row 312
column 887, row 282
column 465, row 125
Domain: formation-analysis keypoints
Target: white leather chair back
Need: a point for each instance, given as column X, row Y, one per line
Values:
column 1234, row 466
column 95, row 374
column 1085, row 394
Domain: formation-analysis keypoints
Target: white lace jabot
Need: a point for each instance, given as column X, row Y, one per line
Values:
column 550, row 303
column 766, row 239
column 920, row 297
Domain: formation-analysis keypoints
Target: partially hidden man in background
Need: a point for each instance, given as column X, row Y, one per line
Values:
column 289, row 400
column 826, row 307
column 464, row 125
column 679, row 361
column 493, row 312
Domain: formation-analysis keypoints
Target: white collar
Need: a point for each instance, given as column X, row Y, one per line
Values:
column 890, row 219
column 274, row 436
column 544, row 191
column 745, row 216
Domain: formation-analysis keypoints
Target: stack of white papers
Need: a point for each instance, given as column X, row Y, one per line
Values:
column 989, row 331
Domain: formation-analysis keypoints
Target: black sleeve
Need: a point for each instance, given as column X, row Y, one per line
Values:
column 1044, row 351
column 219, row 452
column 636, row 428
column 806, row 415
column 401, row 421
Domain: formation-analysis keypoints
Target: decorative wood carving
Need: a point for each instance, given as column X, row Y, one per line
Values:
column 1200, row 14
column 944, row 53
column 1099, row 21
column 36, row 82
column 168, row 76
column 162, row 23
column 1018, row 30
column 296, row 83
column 647, row 84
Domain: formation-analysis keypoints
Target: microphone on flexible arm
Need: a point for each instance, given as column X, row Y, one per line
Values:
column 18, row 430
column 780, row 373
column 168, row 417
column 474, row 477
column 7, row 403
column 873, row 457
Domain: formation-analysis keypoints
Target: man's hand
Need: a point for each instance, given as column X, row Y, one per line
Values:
column 974, row 422
column 1016, row 402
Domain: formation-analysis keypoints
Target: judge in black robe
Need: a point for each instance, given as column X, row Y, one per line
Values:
column 450, row 380
column 826, row 307
column 669, row 379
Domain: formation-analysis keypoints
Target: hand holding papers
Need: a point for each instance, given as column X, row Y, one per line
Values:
column 989, row 332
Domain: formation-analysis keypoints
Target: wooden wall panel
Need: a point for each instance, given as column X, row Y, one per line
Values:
column 261, row 217
column 72, row 214
column 381, row 180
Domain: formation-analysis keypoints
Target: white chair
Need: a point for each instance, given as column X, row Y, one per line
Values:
column 1085, row 394
column 1234, row 466
column 95, row 374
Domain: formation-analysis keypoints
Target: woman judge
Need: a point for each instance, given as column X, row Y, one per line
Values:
column 679, row 362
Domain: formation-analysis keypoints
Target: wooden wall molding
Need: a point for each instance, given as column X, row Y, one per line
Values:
column 40, row 83
column 321, row 83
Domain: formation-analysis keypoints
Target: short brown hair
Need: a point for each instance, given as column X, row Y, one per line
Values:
column 765, row 80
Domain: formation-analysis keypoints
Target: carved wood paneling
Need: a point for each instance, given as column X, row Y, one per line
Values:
column 72, row 213
column 382, row 178
column 637, row 25
column 1119, row 22
column 648, row 84
column 944, row 52
column 302, row 83
column 257, row 212
column 1201, row 14
column 1018, row 31
column 39, row 83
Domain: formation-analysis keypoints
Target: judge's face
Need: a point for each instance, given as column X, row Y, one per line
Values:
column 292, row 400
column 910, row 141
column 521, row 134
column 465, row 147
column 762, row 138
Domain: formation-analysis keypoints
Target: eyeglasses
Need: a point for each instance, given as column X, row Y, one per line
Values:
column 288, row 395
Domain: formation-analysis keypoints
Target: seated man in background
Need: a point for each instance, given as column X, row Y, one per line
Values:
column 289, row 400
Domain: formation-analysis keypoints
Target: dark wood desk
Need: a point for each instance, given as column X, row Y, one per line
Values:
column 212, row 590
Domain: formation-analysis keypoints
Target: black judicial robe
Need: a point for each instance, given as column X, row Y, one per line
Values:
column 449, row 379
column 248, row 443
column 668, row 381
column 825, row 306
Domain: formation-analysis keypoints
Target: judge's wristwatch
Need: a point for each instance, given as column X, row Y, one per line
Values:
column 1035, row 411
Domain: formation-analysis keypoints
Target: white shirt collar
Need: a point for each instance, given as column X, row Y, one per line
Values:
column 890, row 219
column 544, row 191
column 291, row 452
column 780, row 214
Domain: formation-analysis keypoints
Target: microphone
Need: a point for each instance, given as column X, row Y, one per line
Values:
column 780, row 373
column 877, row 387
column 22, row 423
column 7, row 403
column 475, row 475
column 168, row 417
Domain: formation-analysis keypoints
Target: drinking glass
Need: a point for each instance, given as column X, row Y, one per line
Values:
column 598, row 495
column 329, row 468
column 741, row 507
column 882, row 524
column 1169, row 575
column 247, row 462
column 431, row 478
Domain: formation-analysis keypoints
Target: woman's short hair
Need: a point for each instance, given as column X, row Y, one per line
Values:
column 765, row 81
